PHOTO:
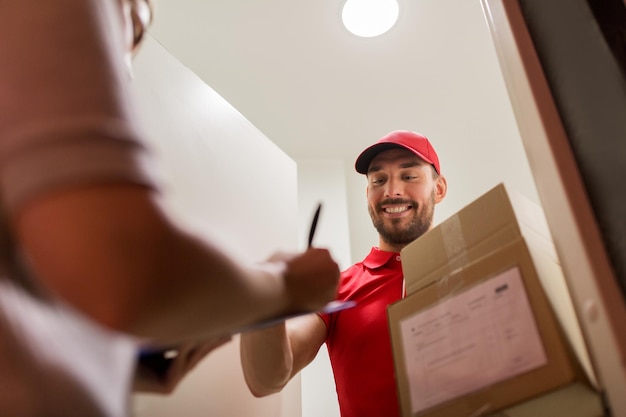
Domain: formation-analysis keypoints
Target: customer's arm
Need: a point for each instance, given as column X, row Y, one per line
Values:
column 113, row 254
column 272, row 357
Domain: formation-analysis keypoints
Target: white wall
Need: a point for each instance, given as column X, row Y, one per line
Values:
column 323, row 181
column 227, row 180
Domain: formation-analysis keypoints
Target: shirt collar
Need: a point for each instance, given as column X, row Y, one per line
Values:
column 377, row 258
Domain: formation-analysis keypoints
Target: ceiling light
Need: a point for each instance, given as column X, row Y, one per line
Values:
column 369, row 18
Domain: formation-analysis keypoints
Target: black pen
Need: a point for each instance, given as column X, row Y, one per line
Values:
column 314, row 225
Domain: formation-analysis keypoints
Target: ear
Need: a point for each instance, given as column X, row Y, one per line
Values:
column 441, row 188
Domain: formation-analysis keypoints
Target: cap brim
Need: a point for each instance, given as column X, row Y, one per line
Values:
column 363, row 161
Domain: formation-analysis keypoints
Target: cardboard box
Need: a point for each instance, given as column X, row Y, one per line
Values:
column 494, row 219
column 487, row 321
column 573, row 400
column 498, row 217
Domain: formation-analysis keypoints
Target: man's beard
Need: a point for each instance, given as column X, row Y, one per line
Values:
column 401, row 235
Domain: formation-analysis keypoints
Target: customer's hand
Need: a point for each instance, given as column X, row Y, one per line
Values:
column 168, row 367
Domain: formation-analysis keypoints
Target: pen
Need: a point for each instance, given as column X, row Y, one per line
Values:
column 314, row 225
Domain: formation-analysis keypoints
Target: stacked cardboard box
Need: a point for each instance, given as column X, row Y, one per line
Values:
column 487, row 321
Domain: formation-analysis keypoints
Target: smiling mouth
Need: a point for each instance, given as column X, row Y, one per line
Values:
column 396, row 209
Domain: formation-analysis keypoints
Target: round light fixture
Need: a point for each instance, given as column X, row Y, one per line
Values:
column 369, row 18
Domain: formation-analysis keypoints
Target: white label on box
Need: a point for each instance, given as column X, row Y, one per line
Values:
column 470, row 340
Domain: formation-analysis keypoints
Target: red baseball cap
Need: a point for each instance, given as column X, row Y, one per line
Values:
column 414, row 142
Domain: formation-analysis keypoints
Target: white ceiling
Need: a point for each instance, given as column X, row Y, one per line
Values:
column 319, row 92
column 316, row 90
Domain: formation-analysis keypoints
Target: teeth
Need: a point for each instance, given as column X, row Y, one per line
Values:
column 396, row 209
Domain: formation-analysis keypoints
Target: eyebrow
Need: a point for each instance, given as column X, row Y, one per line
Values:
column 410, row 164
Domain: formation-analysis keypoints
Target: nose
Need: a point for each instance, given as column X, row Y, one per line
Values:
column 394, row 188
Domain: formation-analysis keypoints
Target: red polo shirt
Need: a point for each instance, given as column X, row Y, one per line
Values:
column 358, row 340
